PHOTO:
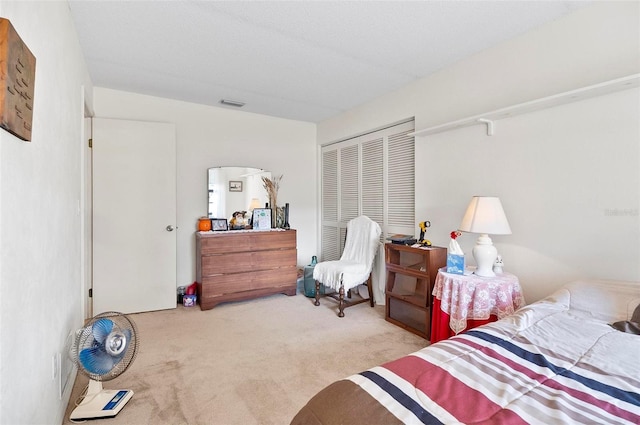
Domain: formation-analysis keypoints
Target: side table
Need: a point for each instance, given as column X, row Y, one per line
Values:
column 463, row 302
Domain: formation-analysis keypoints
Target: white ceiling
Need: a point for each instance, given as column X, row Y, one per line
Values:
column 303, row 60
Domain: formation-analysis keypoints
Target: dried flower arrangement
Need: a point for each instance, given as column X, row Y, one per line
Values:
column 272, row 185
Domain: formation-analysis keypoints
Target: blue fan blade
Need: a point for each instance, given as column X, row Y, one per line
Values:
column 96, row 360
column 101, row 329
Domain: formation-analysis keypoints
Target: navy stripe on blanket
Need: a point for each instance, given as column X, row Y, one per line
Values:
column 410, row 404
column 540, row 360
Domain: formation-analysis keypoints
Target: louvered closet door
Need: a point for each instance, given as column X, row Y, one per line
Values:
column 349, row 183
column 330, row 230
column 374, row 175
column 401, row 191
column 373, row 168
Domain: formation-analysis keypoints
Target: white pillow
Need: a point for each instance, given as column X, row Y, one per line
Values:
column 606, row 300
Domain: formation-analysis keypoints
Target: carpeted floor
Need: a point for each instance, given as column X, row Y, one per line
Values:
column 251, row 362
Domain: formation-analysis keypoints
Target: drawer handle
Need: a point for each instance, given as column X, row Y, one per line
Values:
column 170, row 228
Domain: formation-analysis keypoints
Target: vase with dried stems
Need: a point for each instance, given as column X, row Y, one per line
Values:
column 271, row 185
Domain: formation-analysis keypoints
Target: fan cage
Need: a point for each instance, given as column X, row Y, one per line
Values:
column 85, row 339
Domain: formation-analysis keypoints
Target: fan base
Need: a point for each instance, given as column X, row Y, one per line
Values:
column 103, row 404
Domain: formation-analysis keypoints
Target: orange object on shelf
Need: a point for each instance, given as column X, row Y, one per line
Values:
column 204, row 224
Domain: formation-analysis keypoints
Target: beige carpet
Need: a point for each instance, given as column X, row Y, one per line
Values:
column 251, row 362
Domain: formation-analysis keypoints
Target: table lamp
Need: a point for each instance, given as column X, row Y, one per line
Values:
column 485, row 216
column 255, row 203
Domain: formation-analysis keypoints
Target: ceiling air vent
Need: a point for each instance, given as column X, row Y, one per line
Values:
column 235, row 103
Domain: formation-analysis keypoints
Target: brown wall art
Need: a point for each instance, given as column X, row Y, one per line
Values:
column 17, row 79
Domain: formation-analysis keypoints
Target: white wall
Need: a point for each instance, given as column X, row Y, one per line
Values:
column 568, row 180
column 40, row 266
column 557, row 171
column 213, row 136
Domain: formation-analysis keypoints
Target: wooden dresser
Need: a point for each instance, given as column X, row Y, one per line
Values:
column 240, row 265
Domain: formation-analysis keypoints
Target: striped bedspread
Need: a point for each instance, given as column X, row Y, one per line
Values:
column 557, row 368
column 548, row 363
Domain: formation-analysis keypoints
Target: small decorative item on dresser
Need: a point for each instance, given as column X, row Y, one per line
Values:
column 271, row 185
column 286, row 224
column 218, row 224
column 262, row 218
column 204, row 224
column 238, row 221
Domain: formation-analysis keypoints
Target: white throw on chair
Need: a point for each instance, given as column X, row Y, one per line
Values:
column 354, row 266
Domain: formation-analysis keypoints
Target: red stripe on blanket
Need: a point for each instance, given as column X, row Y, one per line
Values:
column 552, row 382
column 464, row 403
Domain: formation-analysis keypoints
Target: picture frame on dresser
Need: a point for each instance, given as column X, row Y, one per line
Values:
column 261, row 219
column 219, row 224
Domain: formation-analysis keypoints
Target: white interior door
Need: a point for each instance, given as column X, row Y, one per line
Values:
column 134, row 216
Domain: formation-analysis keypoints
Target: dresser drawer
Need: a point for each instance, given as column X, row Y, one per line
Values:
column 223, row 284
column 247, row 261
column 224, row 243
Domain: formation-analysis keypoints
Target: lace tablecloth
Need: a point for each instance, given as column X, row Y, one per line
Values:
column 475, row 297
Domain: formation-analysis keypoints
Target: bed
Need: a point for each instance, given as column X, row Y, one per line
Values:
column 557, row 361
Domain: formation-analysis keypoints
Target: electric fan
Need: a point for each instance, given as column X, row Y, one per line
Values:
column 103, row 350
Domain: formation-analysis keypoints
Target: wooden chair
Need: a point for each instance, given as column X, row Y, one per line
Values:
column 354, row 266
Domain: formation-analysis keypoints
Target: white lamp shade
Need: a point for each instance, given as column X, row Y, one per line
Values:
column 255, row 203
column 485, row 215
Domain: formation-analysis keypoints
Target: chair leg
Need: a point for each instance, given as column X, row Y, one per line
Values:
column 370, row 287
column 341, row 304
column 317, row 301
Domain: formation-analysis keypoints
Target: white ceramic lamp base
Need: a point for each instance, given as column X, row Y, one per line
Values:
column 485, row 255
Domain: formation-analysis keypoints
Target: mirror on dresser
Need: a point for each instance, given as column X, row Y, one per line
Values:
column 233, row 189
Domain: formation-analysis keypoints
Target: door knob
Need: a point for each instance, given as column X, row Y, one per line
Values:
column 170, row 228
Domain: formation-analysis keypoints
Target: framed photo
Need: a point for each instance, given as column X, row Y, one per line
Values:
column 262, row 218
column 235, row 186
column 218, row 224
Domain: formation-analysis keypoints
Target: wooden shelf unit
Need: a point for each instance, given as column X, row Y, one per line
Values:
column 411, row 275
